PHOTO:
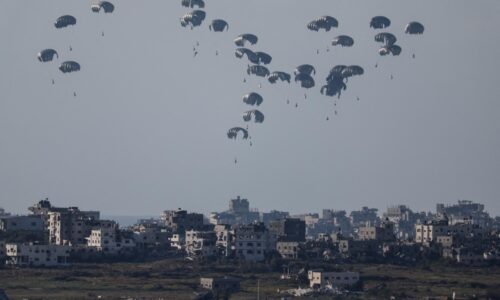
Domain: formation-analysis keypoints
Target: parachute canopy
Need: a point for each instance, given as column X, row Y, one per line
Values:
column 380, row 22
column 47, row 55
column 252, row 57
column 193, row 3
column 233, row 133
column 352, row 71
column 306, row 81
column 414, row 28
column 253, row 99
column 242, row 39
column 386, row 38
column 343, row 40
column 65, row 21
column 218, row 25
column 277, row 75
column 106, row 6
column 258, row 70
column 195, row 18
column 264, row 57
column 258, row 117
column 69, row 66
column 390, row 49
column 324, row 22
column 305, row 69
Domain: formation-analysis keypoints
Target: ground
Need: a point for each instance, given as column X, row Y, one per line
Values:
column 178, row 279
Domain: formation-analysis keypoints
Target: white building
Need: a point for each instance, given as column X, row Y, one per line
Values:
column 320, row 279
column 106, row 240
column 31, row 255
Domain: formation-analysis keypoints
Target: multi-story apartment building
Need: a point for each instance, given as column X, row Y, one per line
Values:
column 37, row 255
column 72, row 226
column 383, row 233
column 225, row 237
column 21, row 223
column 180, row 221
column 252, row 242
column 201, row 244
column 239, row 213
column 108, row 240
column 290, row 229
column 274, row 215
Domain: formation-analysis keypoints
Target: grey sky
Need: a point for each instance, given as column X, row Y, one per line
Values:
column 147, row 129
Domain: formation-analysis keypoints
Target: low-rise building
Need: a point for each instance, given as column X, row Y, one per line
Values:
column 33, row 255
column 383, row 233
column 289, row 250
column 321, row 279
column 220, row 284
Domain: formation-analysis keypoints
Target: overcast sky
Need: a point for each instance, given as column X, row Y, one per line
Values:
column 147, row 130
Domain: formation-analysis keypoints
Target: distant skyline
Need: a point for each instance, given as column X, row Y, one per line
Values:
column 147, row 129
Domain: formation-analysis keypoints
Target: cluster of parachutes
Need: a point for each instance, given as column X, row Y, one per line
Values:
column 196, row 17
column 388, row 39
column 337, row 79
column 49, row 54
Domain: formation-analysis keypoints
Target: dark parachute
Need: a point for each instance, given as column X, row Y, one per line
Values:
column 233, row 133
column 390, row 49
column 242, row 39
column 252, row 57
column 195, row 18
column 69, row 66
column 253, row 99
column 386, row 38
column 343, row 40
column 218, row 25
column 47, row 55
column 333, row 87
column 414, row 28
column 274, row 76
column 193, row 3
column 336, row 72
column 305, row 69
column 260, row 71
column 306, row 81
column 65, row 21
column 380, row 22
column 258, row 117
column 324, row 22
column 106, row 6
column 264, row 58
column 352, row 71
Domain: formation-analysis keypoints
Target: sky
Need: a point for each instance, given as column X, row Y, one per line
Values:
column 147, row 129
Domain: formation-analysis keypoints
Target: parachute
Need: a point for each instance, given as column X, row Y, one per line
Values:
column 258, row 117
column 386, row 38
column 324, row 22
column 414, row 28
column 258, row 70
column 343, row 40
column 193, row 3
column 352, row 71
column 274, row 76
column 253, row 99
column 65, row 21
column 233, row 133
column 333, row 87
column 242, row 39
column 252, row 57
column 195, row 18
column 336, row 72
column 106, row 6
column 264, row 57
column 218, row 25
column 380, row 22
column 47, row 55
column 69, row 66
column 305, row 69
column 306, row 81
column 395, row 50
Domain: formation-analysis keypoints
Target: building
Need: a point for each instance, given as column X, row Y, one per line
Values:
column 274, row 215
column 428, row 232
column 201, row 244
column 178, row 241
column 180, row 221
column 383, row 233
column 220, row 284
column 151, row 235
column 290, row 229
column 363, row 217
column 108, row 240
column 225, row 239
column 32, row 255
column 404, row 220
column 72, row 226
column 22, row 223
column 290, row 250
column 239, row 213
column 465, row 209
column 339, row 219
column 321, row 279
column 252, row 242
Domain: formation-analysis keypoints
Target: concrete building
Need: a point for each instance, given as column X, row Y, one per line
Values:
column 239, row 213
column 404, row 220
column 339, row 219
column 365, row 216
column 289, row 250
column 465, row 210
column 201, row 244
column 72, row 226
column 383, row 233
column 289, row 229
column 21, row 223
column 178, row 241
column 274, row 215
column 252, row 242
column 225, row 239
column 220, row 284
column 31, row 255
column 151, row 235
column 428, row 232
column 180, row 221
column 321, row 279
column 108, row 240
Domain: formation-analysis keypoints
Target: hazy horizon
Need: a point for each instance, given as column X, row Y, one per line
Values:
column 147, row 130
